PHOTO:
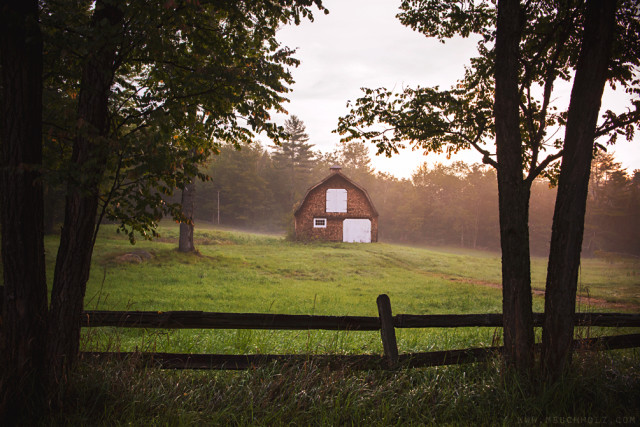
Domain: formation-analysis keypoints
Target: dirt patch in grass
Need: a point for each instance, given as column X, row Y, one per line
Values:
column 212, row 241
column 137, row 256
column 205, row 241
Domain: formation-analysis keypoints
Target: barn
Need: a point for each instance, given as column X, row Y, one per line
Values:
column 337, row 210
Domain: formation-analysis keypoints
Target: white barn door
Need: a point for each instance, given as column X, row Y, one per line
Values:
column 356, row 230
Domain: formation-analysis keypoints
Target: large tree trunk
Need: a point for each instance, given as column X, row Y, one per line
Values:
column 513, row 193
column 185, row 243
column 24, row 308
column 90, row 151
column 568, row 218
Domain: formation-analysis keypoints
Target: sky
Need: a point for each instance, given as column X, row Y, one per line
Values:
column 361, row 43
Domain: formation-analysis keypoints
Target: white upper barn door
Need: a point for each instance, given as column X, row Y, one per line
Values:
column 336, row 200
column 356, row 230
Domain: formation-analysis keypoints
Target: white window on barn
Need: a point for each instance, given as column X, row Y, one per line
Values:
column 336, row 200
column 319, row 223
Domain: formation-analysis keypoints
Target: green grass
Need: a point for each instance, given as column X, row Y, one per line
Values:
column 597, row 388
column 242, row 272
column 247, row 272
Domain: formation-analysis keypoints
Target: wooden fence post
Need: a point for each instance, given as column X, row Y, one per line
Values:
column 387, row 330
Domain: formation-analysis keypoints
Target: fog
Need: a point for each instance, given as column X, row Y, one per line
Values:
column 451, row 205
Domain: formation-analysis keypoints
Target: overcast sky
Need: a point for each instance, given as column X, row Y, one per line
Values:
column 362, row 44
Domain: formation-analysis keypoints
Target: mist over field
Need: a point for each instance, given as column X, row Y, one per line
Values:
column 447, row 205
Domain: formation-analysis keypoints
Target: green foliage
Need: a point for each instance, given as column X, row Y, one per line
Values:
column 457, row 202
column 259, row 188
column 427, row 118
column 188, row 77
column 293, row 160
column 354, row 156
column 246, row 197
column 613, row 209
column 445, row 19
column 436, row 120
column 454, row 205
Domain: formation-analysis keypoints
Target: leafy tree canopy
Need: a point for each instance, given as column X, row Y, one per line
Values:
column 188, row 76
column 436, row 120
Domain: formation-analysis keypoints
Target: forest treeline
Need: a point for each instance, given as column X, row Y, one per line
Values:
column 259, row 187
column 453, row 205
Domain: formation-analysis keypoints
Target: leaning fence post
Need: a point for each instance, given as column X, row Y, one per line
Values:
column 387, row 331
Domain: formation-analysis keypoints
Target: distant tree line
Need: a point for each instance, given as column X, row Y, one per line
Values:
column 449, row 205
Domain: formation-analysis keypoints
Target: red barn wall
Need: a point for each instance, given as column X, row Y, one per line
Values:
column 314, row 206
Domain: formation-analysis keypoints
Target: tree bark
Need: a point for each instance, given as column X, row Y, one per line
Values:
column 24, row 307
column 185, row 243
column 90, row 151
column 569, row 213
column 514, row 193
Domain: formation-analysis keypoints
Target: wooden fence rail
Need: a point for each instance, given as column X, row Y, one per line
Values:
column 336, row 361
column 386, row 323
column 212, row 320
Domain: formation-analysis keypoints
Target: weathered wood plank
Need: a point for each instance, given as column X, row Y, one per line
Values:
column 608, row 319
column 387, row 330
column 360, row 362
column 207, row 320
column 495, row 320
column 448, row 357
column 614, row 342
column 446, row 320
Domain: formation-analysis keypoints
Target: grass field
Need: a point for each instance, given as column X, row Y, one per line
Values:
column 242, row 272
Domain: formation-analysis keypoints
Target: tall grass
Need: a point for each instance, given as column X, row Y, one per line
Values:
column 598, row 389
column 242, row 272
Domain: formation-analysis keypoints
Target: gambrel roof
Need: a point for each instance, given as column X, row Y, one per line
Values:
column 336, row 172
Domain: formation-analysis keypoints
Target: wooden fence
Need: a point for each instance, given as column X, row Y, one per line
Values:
column 386, row 323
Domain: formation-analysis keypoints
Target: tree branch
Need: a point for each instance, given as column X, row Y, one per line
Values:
column 620, row 121
column 535, row 172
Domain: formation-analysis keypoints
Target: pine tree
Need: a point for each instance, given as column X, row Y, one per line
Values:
column 356, row 162
column 295, row 158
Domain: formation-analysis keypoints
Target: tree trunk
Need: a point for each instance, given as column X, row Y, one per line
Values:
column 185, row 243
column 24, row 308
column 90, row 151
column 568, row 218
column 513, row 192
